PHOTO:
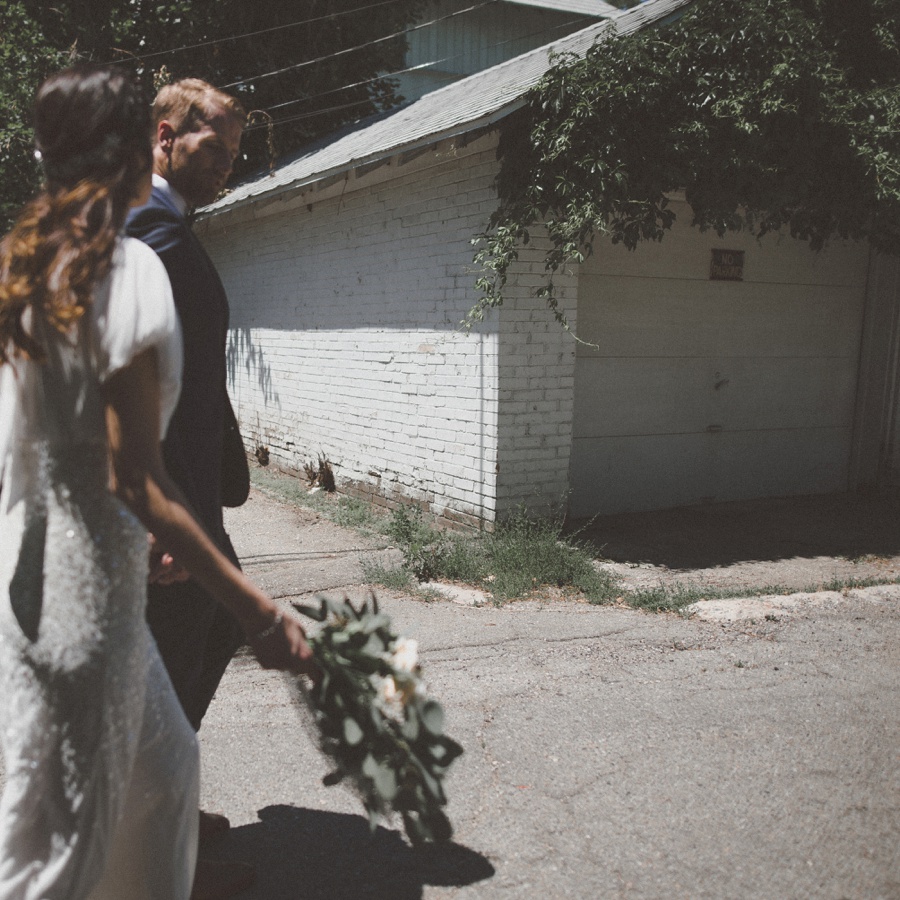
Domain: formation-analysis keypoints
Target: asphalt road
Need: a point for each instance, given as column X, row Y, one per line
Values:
column 750, row 751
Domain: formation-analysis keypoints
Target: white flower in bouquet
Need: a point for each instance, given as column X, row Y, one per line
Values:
column 390, row 698
column 387, row 691
column 405, row 657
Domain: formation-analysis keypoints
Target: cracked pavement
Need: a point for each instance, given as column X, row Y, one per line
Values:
column 609, row 753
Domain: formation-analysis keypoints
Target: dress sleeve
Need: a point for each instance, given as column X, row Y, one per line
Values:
column 134, row 311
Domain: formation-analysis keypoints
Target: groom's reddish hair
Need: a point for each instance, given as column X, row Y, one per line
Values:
column 188, row 104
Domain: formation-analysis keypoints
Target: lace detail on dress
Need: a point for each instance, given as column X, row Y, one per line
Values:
column 75, row 663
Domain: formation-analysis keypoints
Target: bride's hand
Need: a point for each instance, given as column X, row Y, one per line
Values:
column 282, row 645
column 162, row 567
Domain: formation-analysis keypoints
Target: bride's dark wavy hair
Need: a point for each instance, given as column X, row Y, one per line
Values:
column 92, row 133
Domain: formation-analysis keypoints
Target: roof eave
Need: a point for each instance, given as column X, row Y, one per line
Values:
column 435, row 138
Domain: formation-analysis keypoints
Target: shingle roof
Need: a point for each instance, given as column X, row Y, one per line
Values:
column 473, row 102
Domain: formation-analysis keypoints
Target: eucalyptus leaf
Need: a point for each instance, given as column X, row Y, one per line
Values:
column 454, row 749
column 335, row 608
column 433, row 717
column 375, row 645
column 382, row 777
column 430, row 784
column 376, row 622
column 439, row 826
column 410, row 727
column 317, row 615
column 353, row 734
column 417, row 834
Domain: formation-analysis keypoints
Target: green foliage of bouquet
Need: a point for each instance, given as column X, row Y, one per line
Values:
column 375, row 720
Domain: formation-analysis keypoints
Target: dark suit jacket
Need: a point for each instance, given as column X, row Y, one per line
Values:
column 192, row 449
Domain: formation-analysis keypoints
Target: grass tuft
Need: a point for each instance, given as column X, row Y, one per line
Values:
column 849, row 584
column 521, row 556
column 394, row 578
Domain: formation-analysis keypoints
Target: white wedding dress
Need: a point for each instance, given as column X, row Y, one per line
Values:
column 102, row 769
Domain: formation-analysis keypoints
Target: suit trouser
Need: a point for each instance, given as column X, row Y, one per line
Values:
column 197, row 638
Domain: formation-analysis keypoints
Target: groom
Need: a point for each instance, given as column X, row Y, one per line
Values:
column 196, row 141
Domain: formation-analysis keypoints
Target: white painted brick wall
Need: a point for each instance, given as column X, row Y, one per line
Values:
column 345, row 304
column 344, row 335
column 537, row 379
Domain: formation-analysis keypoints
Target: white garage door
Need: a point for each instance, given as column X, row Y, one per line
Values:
column 707, row 390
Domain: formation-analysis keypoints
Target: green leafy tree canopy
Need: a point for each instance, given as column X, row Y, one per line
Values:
column 767, row 114
column 26, row 59
column 329, row 56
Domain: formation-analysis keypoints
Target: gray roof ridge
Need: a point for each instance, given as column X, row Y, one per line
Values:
column 604, row 9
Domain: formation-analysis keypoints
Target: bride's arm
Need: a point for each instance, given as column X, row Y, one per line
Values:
column 141, row 481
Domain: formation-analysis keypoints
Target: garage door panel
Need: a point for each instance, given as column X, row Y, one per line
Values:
column 624, row 474
column 640, row 396
column 630, row 317
column 785, row 393
column 669, row 396
column 686, row 253
column 781, row 463
column 633, row 473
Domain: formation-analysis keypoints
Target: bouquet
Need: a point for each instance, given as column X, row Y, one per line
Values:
column 374, row 719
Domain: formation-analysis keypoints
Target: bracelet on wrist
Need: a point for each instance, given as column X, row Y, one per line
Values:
column 269, row 630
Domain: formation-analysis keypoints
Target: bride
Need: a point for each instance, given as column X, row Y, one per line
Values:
column 102, row 772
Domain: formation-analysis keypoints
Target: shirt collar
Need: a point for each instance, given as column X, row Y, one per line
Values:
column 171, row 193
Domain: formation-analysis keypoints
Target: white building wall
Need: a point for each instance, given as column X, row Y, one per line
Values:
column 537, row 382
column 345, row 305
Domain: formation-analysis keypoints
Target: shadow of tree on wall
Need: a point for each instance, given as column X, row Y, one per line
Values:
column 242, row 349
column 319, row 855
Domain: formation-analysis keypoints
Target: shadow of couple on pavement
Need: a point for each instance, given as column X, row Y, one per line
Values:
column 308, row 854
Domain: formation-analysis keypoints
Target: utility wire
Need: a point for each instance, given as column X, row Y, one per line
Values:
column 308, row 115
column 406, row 71
column 344, row 52
column 248, row 34
column 347, row 87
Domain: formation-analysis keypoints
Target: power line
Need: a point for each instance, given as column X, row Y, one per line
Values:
column 406, row 71
column 308, row 115
column 346, row 87
column 238, row 37
column 344, row 52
